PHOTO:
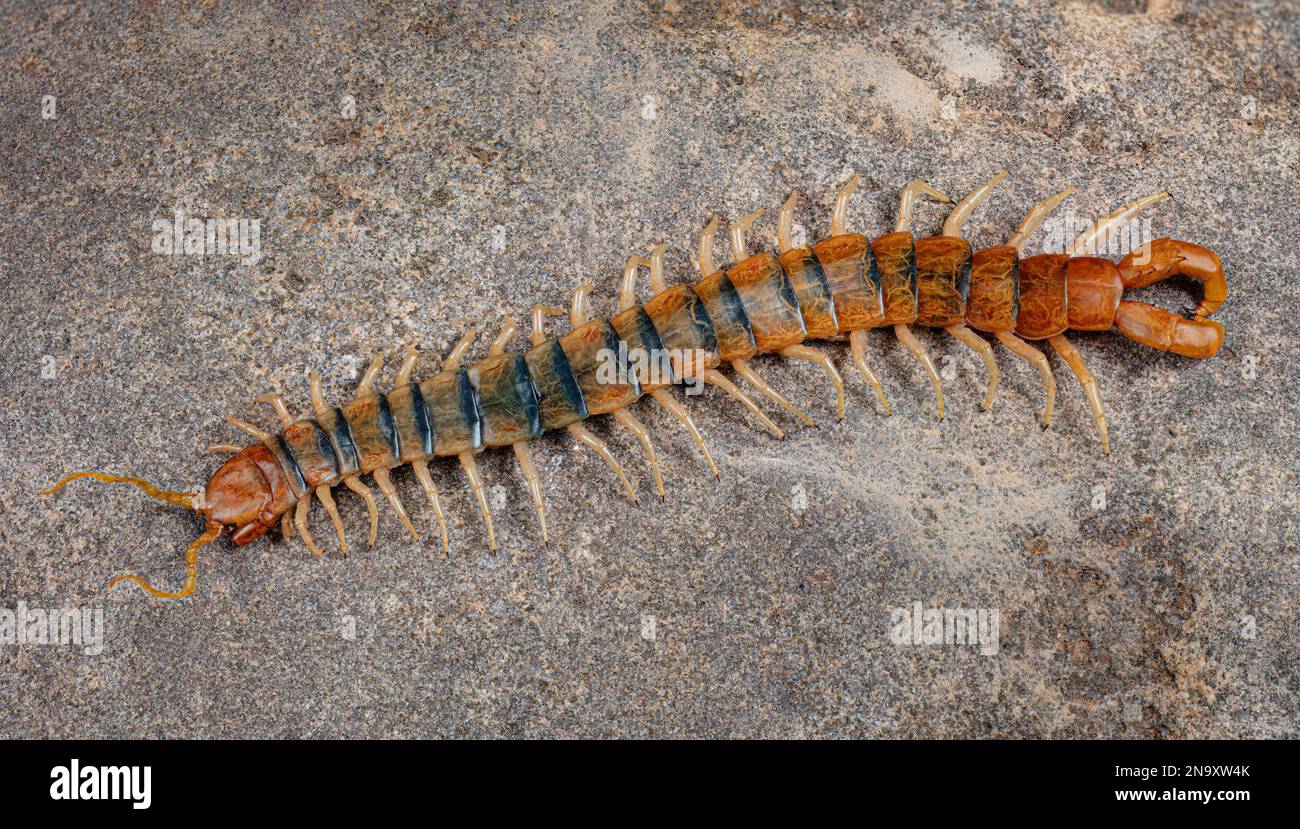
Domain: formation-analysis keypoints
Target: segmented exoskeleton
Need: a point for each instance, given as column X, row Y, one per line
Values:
column 841, row 287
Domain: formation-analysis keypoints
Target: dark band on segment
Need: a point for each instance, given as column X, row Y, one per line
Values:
column 290, row 467
column 560, row 400
column 727, row 314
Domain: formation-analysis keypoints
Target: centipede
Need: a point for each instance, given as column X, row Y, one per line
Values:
column 766, row 303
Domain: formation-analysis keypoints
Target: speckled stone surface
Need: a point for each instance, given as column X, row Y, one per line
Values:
column 498, row 154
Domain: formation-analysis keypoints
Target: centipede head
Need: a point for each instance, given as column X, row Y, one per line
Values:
column 248, row 494
column 246, row 497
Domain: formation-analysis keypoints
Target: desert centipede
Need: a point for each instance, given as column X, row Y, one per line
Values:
column 838, row 288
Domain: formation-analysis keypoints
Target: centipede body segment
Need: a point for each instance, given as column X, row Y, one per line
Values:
column 839, row 288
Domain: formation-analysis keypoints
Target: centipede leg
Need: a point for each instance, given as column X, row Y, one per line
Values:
column 981, row 347
column 426, row 483
column 385, row 482
column 743, row 368
column 224, row 448
column 300, row 519
column 600, row 448
column 642, row 434
column 1036, row 358
column 858, row 350
column 1086, row 244
column 407, row 368
column 366, row 385
column 1074, row 359
column 369, row 497
column 663, row 398
column 907, row 338
column 318, row 404
column 817, row 357
column 476, row 485
column 716, row 378
column 327, row 500
column 525, row 457
column 277, row 403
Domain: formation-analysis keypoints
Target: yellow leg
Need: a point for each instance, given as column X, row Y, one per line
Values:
column 744, row 370
column 224, row 448
column 1086, row 244
column 369, row 497
column 716, row 378
column 981, row 347
column 858, row 349
column 598, row 446
column 286, row 525
column 318, row 403
column 366, row 386
column 476, row 486
column 281, row 410
column 390, row 492
column 907, row 201
column 1036, row 358
column 821, row 358
column 677, row 410
column 907, row 338
column 1074, row 359
column 525, row 457
column 642, row 434
column 300, row 519
column 326, row 498
column 426, row 483
column 1035, row 219
column 952, row 226
column 458, row 350
column 408, row 366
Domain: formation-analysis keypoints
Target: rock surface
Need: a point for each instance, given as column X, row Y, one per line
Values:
column 417, row 169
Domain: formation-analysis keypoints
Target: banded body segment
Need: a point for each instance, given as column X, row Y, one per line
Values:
column 994, row 298
column 685, row 329
column 853, row 276
column 560, row 400
column 599, row 368
column 1093, row 290
column 307, row 444
column 507, row 400
column 644, row 349
column 1043, row 297
column 730, row 323
column 284, row 459
column 943, row 266
column 411, row 419
column 896, row 258
column 812, row 291
column 373, row 432
column 769, row 302
column 453, row 413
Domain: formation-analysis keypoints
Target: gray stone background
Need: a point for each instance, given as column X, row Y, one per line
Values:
column 501, row 152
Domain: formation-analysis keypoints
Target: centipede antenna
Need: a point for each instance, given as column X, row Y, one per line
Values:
column 840, row 215
column 180, row 499
column 210, row 534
